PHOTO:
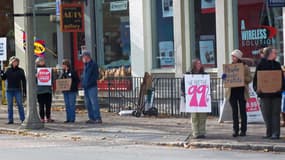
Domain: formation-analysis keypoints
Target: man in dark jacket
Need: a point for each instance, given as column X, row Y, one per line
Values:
column 89, row 83
column 16, row 87
column 270, row 102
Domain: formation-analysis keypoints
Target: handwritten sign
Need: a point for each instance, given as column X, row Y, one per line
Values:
column 63, row 84
column 269, row 81
column 3, row 48
column 234, row 75
column 197, row 93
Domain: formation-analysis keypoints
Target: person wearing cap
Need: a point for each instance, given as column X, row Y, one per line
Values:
column 44, row 95
column 70, row 95
column 16, row 87
column 270, row 102
column 89, row 84
column 237, row 97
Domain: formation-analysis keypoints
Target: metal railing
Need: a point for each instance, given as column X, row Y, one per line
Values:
column 123, row 94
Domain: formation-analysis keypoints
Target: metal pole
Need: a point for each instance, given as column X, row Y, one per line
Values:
column 32, row 120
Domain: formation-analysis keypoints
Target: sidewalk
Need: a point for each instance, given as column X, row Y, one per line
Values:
column 146, row 130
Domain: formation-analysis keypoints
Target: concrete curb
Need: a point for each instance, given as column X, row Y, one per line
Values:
column 222, row 146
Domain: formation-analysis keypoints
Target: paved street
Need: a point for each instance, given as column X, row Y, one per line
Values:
column 128, row 130
column 34, row 148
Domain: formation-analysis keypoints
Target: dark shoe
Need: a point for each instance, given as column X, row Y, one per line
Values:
column 66, row 121
column 90, row 121
column 10, row 122
column 99, row 121
column 50, row 120
column 266, row 137
column 235, row 134
column 274, row 137
column 201, row 137
column 242, row 134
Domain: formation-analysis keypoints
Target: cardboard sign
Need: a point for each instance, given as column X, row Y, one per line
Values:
column 197, row 93
column 269, row 81
column 234, row 75
column 63, row 84
column 44, row 76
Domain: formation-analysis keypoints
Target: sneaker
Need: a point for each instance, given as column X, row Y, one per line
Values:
column 266, row 137
column 50, row 120
column 43, row 120
column 242, row 134
column 66, row 121
column 274, row 137
column 90, row 121
column 10, row 122
column 99, row 121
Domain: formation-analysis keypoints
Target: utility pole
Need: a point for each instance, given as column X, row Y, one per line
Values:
column 32, row 120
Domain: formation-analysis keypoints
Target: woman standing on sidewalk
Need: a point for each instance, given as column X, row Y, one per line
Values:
column 270, row 102
column 198, row 120
column 237, row 97
column 70, row 96
column 44, row 95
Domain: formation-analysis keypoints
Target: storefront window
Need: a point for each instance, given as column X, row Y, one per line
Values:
column 116, row 33
column 163, row 56
column 205, row 32
column 259, row 26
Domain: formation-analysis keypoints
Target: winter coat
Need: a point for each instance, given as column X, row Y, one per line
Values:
column 16, row 79
column 90, row 75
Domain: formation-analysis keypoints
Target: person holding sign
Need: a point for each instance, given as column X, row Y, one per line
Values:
column 268, row 83
column 16, row 87
column 198, row 120
column 70, row 94
column 44, row 91
column 238, row 95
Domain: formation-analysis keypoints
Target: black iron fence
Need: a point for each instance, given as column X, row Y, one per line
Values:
column 123, row 94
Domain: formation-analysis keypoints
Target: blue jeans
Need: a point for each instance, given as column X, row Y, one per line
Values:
column 18, row 95
column 91, row 102
column 70, row 100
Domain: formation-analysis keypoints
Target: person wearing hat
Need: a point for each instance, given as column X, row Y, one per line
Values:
column 16, row 87
column 270, row 102
column 237, row 97
column 89, row 84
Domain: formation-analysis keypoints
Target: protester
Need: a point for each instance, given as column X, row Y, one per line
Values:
column 237, row 97
column 70, row 95
column 44, row 95
column 89, row 84
column 270, row 102
column 198, row 120
column 16, row 87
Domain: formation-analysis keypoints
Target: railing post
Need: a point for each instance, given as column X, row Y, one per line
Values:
column 109, row 93
column 172, row 97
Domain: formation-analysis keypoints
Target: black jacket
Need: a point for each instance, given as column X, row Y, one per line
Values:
column 74, row 79
column 16, row 79
column 268, row 65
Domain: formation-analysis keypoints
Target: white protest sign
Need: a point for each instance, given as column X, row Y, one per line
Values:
column 253, row 107
column 197, row 93
column 3, row 48
column 44, row 76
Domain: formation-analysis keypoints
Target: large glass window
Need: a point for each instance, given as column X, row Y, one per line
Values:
column 163, row 35
column 205, row 32
column 259, row 26
column 116, row 33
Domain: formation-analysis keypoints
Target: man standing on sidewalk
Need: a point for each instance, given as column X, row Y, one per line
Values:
column 89, row 84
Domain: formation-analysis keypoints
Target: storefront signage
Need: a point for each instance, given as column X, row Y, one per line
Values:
column 276, row 3
column 197, row 93
column 260, row 36
column 39, row 47
column 3, row 49
column 207, row 53
column 208, row 6
column 71, row 18
column 119, row 6
column 166, row 54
